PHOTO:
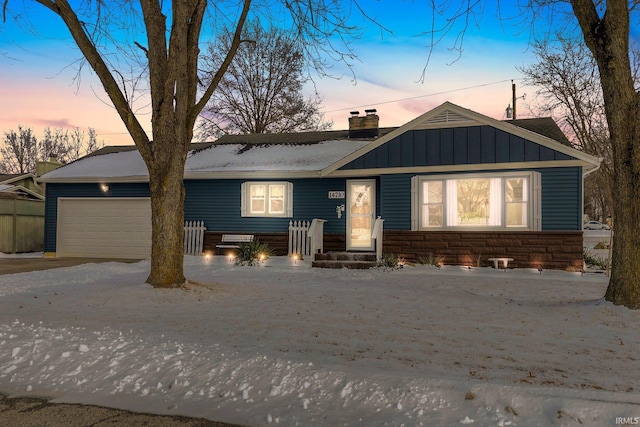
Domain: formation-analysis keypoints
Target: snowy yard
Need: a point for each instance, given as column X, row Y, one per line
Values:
column 286, row 344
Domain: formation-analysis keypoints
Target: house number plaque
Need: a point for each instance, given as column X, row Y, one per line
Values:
column 336, row 194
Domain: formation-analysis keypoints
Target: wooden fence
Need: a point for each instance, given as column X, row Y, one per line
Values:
column 193, row 237
column 21, row 225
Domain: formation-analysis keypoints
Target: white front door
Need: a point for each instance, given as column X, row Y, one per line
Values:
column 361, row 212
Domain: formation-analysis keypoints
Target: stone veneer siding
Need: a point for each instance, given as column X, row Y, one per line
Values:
column 552, row 250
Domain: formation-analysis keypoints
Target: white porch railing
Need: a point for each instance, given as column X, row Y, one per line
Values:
column 377, row 235
column 306, row 238
column 298, row 238
column 193, row 237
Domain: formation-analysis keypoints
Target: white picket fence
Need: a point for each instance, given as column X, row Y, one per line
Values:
column 299, row 238
column 305, row 237
column 193, row 237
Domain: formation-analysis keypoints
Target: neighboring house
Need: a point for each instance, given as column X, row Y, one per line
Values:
column 451, row 183
column 21, row 184
column 21, row 213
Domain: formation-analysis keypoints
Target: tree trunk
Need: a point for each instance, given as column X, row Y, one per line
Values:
column 624, row 285
column 167, row 219
column 608, row 40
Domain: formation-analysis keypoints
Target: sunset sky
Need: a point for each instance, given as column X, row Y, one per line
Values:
column 38, row 85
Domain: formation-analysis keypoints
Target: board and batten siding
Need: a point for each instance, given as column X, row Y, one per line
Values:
column 56, row 190
column 454, row 146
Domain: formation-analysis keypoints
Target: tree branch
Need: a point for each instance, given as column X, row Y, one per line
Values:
column 235, row 43
column 90, row 52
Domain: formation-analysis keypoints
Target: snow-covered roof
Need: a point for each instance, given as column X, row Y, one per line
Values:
column 271, row 157
column 123, row 164
column 305, row 154
column 306, row 158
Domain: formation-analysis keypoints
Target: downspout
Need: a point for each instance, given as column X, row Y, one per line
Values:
column 584, row 175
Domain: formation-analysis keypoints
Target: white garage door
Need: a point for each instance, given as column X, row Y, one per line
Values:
column 104, row 228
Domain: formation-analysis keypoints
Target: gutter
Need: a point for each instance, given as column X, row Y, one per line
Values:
column 590, row 171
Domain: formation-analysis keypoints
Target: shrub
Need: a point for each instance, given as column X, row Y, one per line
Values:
column 391, row 262
column 592, row 260
column 601, row 245
column 431, row 260
column 251, row 253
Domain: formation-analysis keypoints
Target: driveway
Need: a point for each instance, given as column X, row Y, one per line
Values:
column 30, row 411
column 12, row 265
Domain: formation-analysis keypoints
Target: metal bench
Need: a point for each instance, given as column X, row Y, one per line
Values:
column 232, row 241
column 496, row 262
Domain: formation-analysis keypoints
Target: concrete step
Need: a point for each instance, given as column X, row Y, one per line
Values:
column 346, row 256
column 354, row 265
column 352, row 260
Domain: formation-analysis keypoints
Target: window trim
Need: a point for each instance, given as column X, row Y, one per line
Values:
column 532, row 199
column 246, row 199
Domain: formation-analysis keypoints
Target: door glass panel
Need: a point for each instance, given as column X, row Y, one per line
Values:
column 361, row 215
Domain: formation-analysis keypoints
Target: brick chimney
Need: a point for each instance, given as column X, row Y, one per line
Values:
column 364, row 126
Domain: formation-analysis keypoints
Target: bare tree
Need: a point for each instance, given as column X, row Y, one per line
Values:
column 569, row 88
column 605, row 28
column 19, row 151
column 261, row 91
column 606, row 31
column 79, row 143
column 55, row 142
column 169, row 52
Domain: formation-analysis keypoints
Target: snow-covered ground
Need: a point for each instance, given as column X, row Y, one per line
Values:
column 285, row 344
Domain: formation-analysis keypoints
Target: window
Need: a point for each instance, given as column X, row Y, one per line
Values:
column 267, row 199
column 516, row 201
column 476, row 202
column 433, row 207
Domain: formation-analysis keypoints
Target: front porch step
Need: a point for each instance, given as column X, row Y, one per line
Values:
column 352, row 260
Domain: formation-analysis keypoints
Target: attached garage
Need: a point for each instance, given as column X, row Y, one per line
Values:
column 104, row 227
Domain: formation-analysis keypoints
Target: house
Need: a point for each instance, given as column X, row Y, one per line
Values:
column 21, row 213
column 451, row 183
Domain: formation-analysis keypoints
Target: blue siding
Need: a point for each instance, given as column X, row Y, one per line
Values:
column 432, row 151
column 406, row 145
column 488, row 144
column 561, row 197
column 502, row 151
column 395, row 203
column 54, row 191
column 454, row 146
column 460, row 146
column 217, row 203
